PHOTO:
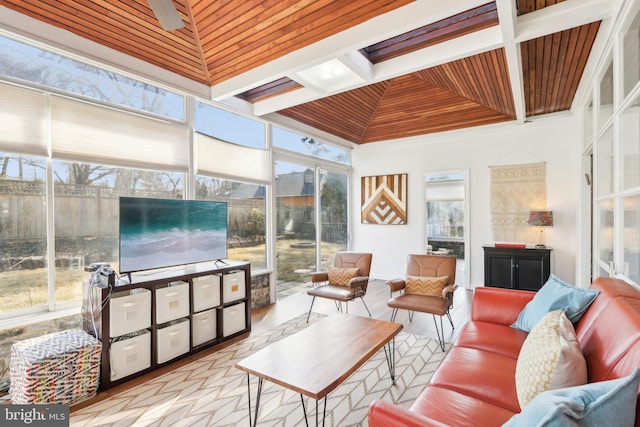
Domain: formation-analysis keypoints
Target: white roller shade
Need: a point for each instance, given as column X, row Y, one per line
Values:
column 23, row 120
column 221, row 158
column 90, row 133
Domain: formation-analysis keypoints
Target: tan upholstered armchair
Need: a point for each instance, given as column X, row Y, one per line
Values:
column 345, row 281
column 427, row 288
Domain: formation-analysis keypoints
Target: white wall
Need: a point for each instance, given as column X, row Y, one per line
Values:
column 551, row 139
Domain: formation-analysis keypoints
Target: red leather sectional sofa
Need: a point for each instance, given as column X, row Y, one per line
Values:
column 475, row 385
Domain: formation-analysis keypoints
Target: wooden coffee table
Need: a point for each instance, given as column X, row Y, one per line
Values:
column 316, row 360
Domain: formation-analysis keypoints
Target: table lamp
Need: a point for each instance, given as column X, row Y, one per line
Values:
column 540, row 219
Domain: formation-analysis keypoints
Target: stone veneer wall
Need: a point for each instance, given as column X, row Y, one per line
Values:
column 259, row 298
column 260, row 290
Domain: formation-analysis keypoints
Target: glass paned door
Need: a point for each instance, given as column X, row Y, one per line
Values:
column 295, row 227
column 446, row 221
column 333, row 216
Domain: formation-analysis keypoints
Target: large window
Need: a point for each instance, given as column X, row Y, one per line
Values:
column 76, row 137
column 86, row 215
column 303, row 144
column 23, row 244
column 28, row 63
column 230, row 127
column 616, row 150
column 308, row 234
column 246, row 217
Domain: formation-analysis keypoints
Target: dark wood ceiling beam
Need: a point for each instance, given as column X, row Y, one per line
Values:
column 458, row 25
column 268, row 90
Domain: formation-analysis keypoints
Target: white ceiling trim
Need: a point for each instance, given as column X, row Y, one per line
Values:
column 383, row 27
column 442, row 53
column 562, row 16
column 507, row 14
column 508, row 34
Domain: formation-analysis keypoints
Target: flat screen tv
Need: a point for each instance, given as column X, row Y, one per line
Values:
column 158, row 233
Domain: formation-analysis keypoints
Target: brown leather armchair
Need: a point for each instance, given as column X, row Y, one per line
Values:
column 422, row 267
column 346, row 281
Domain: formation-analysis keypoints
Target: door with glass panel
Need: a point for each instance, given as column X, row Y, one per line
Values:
column 446, row 219
column 295, row 208
column 334, row 198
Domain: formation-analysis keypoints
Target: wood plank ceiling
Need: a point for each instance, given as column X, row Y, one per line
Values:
column 227, row 43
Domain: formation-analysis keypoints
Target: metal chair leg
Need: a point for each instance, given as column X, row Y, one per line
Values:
column 312, row 301
column 440, row 332
column 450, row 321
column 338, row 305
column 394, row 312
column 365, row 306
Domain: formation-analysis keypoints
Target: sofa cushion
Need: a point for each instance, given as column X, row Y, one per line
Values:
column 342, row 276
column 604, row 403
column 550, row 358
column 454, row 408
column 555, row 295
column 492, row 337
column 484, row 375
column 419, row 285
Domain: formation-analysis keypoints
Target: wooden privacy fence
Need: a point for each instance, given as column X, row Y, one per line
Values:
column 81, row 210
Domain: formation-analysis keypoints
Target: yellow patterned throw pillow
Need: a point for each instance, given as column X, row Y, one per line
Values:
column 425, row 285
column 342, row 276
column 550, row 358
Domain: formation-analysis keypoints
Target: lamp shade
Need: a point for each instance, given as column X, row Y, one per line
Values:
column 540, row 218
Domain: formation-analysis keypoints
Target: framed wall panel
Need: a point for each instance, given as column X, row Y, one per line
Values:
column 384, row 199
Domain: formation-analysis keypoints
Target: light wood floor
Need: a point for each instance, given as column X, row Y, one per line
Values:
column 376, row 299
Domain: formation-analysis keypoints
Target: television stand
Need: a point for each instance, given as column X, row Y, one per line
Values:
column 165, row 316
column 220, row 261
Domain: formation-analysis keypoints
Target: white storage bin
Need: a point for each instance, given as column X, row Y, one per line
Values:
column 233, row 287
column 129, row 311
column 206, row 292
column 203, row 327
column 233, row 319
column 173, row 340
column 130, row 355
column 172, row 302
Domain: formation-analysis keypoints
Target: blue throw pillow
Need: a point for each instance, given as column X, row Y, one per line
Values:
column 605, row 403
column 555, row 295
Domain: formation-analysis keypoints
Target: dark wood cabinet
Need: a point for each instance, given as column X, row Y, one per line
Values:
column 516, row 268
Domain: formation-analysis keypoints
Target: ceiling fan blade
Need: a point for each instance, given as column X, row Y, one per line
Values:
column 167, row 14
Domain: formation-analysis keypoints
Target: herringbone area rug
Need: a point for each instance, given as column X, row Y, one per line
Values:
column 211, row 392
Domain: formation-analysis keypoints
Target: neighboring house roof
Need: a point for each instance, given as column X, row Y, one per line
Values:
column 287, row 185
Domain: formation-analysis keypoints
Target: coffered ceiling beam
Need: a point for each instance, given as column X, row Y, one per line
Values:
column 507, row 14
column 383, row 27
column 560, row 17
column 451, row 50
column 508, row 34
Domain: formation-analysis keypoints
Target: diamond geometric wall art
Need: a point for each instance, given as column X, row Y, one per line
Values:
column 384, row 199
